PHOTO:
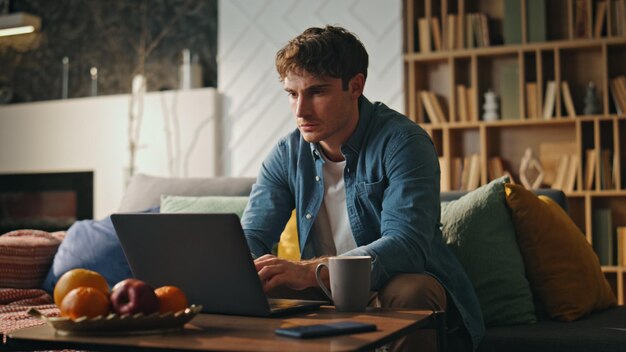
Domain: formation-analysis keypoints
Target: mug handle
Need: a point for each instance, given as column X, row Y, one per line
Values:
column 319, row 280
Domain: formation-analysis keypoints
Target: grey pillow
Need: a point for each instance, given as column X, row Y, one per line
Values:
column 145, row 191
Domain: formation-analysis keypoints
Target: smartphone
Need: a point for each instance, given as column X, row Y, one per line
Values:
column 330, row 329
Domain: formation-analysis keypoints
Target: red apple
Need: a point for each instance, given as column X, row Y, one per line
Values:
column 132, row 296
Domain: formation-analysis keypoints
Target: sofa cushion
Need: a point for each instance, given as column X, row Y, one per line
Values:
column 478, row 229
column 92, row 245
column 563, row 270
column 207, row 204
column 26, row 256
column 286, row 248
column 144, row 191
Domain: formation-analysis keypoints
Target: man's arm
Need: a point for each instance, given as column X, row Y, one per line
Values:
column 270, row 204
column 410, row 209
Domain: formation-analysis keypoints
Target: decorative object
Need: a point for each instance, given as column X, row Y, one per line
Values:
column 66, row 73
column 591, row 100
column 93, row 72
column 190, row 72
column 530, row 171
column 490, row 107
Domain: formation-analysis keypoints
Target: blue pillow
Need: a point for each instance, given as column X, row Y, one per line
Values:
column 92, row 245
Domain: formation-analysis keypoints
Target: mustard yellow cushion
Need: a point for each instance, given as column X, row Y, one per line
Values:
column 563, row 270
column 288, row 246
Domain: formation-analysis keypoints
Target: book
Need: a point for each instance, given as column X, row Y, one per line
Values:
column 532, row 103
column 460, row 31
column 495, row 168
column 581, row 24
column 471, row 105
column 484, row 29
column 444, row 186
column 619, row 18
column 549, row 100
column 567, row 99
column 621, row 245
column 600, row 18
column 572, row 172
column 428, row 106
column 436, row 30
column 470, row 41
column 618, row 91
column 619, row 105
column 606, row 169
column 473, row 177
column 509, row 91
column 456, row 173
column 424, row 35
column 467, row 161
column 439, row 111
column 512, row 22
column 450, row 33
column 461, row 103
column 536, row 20
column 561, row 172
column 590, row 168
column 602, row 224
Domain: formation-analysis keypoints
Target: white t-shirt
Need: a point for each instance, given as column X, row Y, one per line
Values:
column 332, row 234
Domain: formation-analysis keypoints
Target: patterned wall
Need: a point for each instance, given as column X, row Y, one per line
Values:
column 107, row 35
column 255, row 106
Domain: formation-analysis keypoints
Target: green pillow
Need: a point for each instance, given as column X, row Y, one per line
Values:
column 207, row 204
column 479, row 230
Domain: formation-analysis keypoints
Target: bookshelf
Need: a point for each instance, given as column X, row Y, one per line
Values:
column 539, row 57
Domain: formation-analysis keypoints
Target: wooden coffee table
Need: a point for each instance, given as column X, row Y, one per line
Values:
column 209, row 332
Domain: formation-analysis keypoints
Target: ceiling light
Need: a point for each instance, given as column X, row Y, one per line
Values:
column 19, row 23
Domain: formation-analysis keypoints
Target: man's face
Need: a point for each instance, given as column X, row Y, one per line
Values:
column 324, row 112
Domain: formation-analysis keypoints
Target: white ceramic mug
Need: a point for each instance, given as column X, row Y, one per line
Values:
column 349, row 282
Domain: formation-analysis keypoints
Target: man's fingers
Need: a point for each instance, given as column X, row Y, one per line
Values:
column 264, row 261
column 268, row 271
column 275, row 281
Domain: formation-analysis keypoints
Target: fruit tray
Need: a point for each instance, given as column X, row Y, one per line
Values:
column 114, row 324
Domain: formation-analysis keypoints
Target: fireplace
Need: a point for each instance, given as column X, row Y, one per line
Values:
column 45, row 201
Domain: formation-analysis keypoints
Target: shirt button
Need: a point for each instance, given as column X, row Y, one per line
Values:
column 308, row 216
column 317, row 178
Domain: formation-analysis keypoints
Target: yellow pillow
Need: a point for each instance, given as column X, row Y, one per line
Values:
column 562, row 268
column 288, row 246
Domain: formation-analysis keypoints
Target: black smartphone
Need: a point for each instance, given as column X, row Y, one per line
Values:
column 330, row 329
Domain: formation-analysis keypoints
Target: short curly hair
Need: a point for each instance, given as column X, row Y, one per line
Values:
column 330, row 51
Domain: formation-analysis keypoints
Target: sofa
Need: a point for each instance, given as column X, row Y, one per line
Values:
column 516, row 314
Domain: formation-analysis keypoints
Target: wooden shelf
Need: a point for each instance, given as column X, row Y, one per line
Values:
column 519, row 73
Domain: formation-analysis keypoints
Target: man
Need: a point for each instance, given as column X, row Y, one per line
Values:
column 364, row 180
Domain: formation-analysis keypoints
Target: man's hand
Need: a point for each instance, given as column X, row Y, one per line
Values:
column 275, row 272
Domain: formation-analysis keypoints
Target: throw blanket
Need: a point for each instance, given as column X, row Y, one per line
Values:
column 14, row 303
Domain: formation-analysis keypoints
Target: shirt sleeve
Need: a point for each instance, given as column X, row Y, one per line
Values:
column 410, row 209
column 270, row 204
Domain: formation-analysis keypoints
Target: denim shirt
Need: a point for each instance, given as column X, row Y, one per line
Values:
column 392, row 194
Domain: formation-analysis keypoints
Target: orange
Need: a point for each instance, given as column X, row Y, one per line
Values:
column 84, row 302
column 76, row 278
column 171, row 299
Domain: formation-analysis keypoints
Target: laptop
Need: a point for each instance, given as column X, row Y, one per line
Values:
column 206, row 255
